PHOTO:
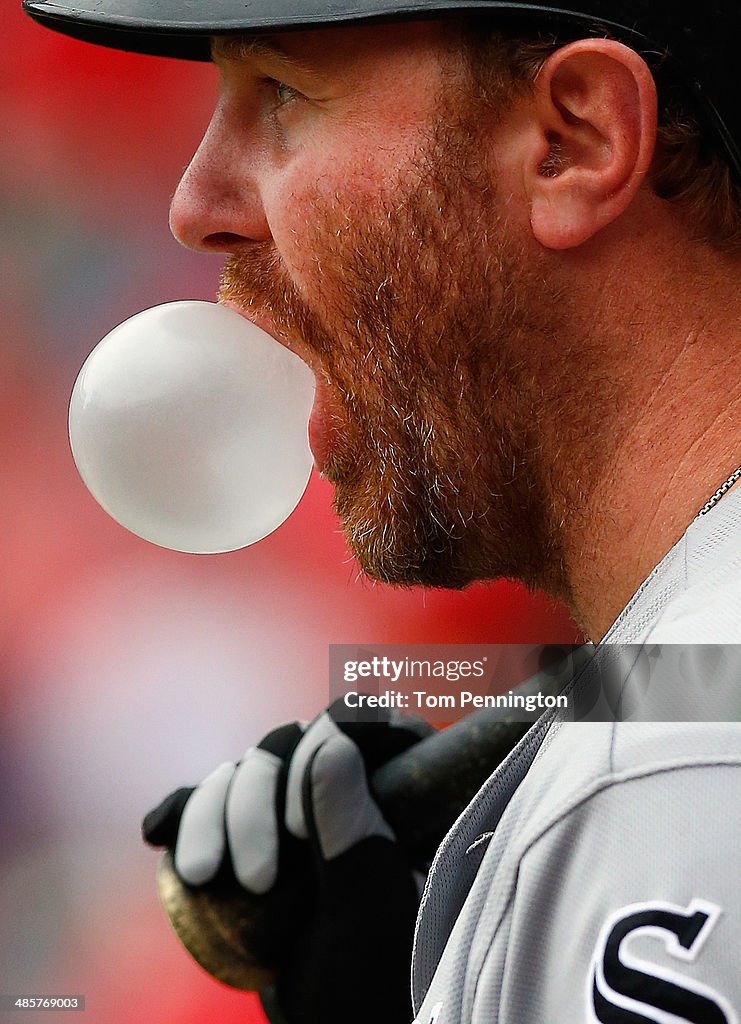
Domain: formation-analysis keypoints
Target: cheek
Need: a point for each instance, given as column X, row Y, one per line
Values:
column 316, row 201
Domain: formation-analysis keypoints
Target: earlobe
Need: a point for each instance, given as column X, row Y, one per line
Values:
column 595, row 105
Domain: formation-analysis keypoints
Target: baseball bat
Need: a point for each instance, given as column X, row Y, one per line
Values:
column 420, row 792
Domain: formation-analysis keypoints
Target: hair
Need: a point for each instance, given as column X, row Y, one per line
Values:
column 689, row 168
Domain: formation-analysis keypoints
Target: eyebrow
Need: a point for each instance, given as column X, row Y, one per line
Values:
column 245, row 47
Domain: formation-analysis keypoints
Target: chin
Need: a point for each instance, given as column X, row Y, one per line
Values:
column 405, row 553
column 433, row 571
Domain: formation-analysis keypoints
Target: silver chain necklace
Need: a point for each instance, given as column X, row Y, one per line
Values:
column 713, row 501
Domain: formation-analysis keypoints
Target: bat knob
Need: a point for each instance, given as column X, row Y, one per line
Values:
column 211, row 926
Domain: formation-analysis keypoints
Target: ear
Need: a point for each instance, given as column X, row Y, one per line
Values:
column 592, row 140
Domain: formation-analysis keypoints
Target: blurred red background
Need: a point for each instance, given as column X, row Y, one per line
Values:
column 127, row 670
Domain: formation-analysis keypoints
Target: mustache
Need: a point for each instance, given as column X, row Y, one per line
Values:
column 255, row 278
column 332, row 325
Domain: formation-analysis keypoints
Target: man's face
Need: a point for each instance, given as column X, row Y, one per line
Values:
column 360, row 211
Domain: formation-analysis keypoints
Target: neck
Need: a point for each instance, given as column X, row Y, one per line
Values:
column 662, row 433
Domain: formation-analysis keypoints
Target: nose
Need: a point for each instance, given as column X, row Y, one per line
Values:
column 217, row 205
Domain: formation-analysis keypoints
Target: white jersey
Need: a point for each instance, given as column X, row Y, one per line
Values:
column 596, row 877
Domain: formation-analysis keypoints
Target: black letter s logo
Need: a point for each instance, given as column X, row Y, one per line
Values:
column 624, row 989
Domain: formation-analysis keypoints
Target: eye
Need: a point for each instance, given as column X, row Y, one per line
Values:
column 283, row 93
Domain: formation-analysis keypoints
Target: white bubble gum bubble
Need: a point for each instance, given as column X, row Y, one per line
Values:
column 188, row 425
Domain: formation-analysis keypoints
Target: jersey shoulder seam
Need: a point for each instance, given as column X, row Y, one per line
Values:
column 604, row 782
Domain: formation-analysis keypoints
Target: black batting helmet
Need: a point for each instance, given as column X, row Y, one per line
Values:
column 697, row 41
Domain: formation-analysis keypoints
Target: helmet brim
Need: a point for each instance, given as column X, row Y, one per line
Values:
column 184, row 28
